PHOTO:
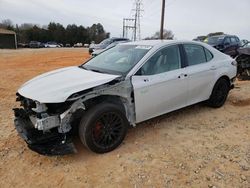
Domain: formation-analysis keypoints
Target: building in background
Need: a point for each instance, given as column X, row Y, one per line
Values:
column 7, row 39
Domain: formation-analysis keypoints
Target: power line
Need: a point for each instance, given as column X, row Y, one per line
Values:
column 136, row 27
column 138, row 10
column 128, row 24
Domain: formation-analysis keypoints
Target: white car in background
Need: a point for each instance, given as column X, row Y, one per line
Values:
column 51, row 45
column 99, row 51
column 121, row 87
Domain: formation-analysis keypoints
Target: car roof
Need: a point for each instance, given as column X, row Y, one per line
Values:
column 115, row 38
column 159, row 42
column 223, row 36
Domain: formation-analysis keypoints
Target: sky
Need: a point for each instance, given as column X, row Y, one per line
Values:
column 186, row 18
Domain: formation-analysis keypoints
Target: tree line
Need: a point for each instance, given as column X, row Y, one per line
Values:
column 71, row 34
column 167, row 34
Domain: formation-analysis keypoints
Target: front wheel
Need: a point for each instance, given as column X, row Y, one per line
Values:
column 219, row 93
column 103, row 128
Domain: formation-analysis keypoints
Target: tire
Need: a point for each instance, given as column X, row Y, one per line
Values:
column 103, row 128
column 219, row 94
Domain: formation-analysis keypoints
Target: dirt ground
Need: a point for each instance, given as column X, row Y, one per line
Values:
column 193, row 147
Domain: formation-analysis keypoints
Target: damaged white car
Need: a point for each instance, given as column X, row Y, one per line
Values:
column 121, row 87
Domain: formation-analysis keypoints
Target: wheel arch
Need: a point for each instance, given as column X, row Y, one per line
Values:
column 225, row 77
column 114, row 99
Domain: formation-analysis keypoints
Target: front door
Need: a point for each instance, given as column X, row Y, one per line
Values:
column 160, row 86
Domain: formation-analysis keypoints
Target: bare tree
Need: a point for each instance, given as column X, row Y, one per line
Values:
column 167, row 34
column 26, row 26
column 7, row 24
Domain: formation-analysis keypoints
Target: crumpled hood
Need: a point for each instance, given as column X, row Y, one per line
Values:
column 56, row 86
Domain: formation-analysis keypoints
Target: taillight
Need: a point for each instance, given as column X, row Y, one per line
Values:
column 234, row 63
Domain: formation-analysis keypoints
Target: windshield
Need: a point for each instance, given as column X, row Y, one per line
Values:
column 215, row 40
column 106, row 42
column 117, row 60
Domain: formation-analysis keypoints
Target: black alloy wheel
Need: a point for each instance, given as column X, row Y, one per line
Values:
column 103, row 127
column 219, row 93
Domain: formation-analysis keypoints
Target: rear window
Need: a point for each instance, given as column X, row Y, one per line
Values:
column 209, row 55
column 195, row 54
column 215, row 40
column 233, row 40
column 227, row 40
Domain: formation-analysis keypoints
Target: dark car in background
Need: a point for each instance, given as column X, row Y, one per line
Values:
column 36, row 44
column 243, row 60
column 106, row 43
column 228, row 44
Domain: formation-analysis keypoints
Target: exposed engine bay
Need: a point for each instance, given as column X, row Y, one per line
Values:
column 48, row 128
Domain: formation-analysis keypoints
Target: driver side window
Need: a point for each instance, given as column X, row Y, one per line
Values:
column 165, row 60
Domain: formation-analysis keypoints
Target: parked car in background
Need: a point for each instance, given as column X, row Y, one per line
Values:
column 36, row 44
column 244, row 41
column 123, row 86
column 67, row 45
column 105, row 43
column 22, row 45
column 246, row 45
column 86, row 45
column 228, row 44
column 97, row 52
column 243, row 60
column 78, row 45
column 52, row 45
column 200, row 39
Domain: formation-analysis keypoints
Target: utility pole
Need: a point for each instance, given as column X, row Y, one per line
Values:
column 123, row 28
column 162, row 19
column 138, row 10
column 133, row 24
column 128, row 24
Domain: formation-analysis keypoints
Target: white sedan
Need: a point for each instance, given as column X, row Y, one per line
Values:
column 121, row 87
column 52, row 45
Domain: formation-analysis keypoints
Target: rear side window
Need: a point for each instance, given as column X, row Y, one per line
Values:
column 209, row 55
column 233, row 40
column 195, row 54
column 227, row 40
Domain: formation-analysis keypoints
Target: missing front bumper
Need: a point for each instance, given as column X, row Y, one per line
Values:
column 51, row 143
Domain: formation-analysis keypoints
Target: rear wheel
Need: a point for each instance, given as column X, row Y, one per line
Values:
column 103, row 128
column 219, row 93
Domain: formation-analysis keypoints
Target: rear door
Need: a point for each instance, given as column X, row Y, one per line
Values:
column 200, row 71
column 160, row 85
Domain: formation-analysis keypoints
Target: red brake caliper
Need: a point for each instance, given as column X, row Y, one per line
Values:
column 97, row 129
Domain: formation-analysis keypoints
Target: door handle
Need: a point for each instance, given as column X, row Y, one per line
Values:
column 146, row 80
column 213, row 68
